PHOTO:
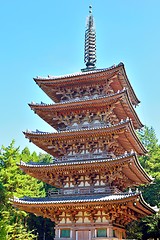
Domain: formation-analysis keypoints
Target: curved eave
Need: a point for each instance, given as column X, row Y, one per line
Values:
column 48, row 84
column 125, row 130
column 136, row 173
column 74, row 199
column 79, row 164
column 142, row 207
column 131, row 168
column 153, row 210
column 136, row 139
column 133, row 201
column 46, row 111
column 56, row 79
column 136, row 100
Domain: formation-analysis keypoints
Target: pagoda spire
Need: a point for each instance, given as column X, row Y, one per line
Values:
column 90, row 42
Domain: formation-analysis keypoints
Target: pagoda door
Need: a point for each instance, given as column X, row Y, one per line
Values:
column 83, row 235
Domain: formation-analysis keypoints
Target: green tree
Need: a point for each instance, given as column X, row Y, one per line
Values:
column 150, row 161
column 13, row 223
column 43, row 227
column 149, row 226
column 45, row 158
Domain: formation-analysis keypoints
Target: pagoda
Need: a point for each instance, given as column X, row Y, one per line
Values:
column 95, row 172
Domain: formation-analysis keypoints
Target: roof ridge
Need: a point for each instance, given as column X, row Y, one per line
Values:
column 78, row 73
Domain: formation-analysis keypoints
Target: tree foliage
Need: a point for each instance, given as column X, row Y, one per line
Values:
column 151, row 161
column 149, row 227
column 14, row 224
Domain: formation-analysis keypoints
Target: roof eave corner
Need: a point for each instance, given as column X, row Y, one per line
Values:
column 153, row 210
column 121, row 64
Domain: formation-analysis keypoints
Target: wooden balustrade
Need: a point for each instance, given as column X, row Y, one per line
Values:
column 83, row 190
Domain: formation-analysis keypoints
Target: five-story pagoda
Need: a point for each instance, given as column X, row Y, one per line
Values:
column 95, row 150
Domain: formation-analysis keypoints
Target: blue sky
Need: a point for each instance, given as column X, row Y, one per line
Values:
column 40, row 38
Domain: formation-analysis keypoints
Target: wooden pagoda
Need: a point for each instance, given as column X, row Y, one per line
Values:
column 95, row 149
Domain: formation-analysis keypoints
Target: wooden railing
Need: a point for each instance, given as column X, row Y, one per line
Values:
column 86, row 156
column 83, row 190
column 87, row 126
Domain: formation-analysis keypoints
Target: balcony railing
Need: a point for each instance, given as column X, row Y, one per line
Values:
column 83, row 191
column 82, row 98
column 88, row 126
column 86, row 156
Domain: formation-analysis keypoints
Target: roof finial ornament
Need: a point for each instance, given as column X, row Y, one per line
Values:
column 90, row 9
column 90, row 43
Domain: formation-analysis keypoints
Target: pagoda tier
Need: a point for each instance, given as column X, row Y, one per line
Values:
column 101, row 142
column 84, row 113
column 87, row 84
column 90, row 176
column 91, row 213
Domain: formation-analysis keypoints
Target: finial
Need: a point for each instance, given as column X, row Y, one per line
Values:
column 90, row 43
column 90, row 9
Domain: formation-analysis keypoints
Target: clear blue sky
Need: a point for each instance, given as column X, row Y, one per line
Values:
column 40, row 38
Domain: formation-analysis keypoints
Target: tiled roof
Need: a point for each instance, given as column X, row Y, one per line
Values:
column 78, row 199
column 140, row 172
column 75, row 78
column 134, row 143
column 79, row 73
column 35, row 164
column 82, row 100
column 109, row 127
column 47, row 111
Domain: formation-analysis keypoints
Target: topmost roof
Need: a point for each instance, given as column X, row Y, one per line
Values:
column 81, row 73
column 50, row 83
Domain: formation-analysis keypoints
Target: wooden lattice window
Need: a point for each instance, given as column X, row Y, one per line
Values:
column 102, row 232
column 65, row 233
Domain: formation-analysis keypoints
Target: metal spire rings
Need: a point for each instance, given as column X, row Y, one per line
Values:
column 90, row 42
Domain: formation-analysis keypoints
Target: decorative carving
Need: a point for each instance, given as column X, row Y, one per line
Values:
column 66, row 94
column 119, row 214
column 72, row 214
column 76, row 180
column 54, row 215
column 62, row 119
column 89, row 116
column 107, row 88
column 92, row 214
column 81, row 92
column 92, row 177
column 77, row 118
column 93, row 117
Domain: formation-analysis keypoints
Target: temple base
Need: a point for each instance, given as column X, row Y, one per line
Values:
column 92, row 231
